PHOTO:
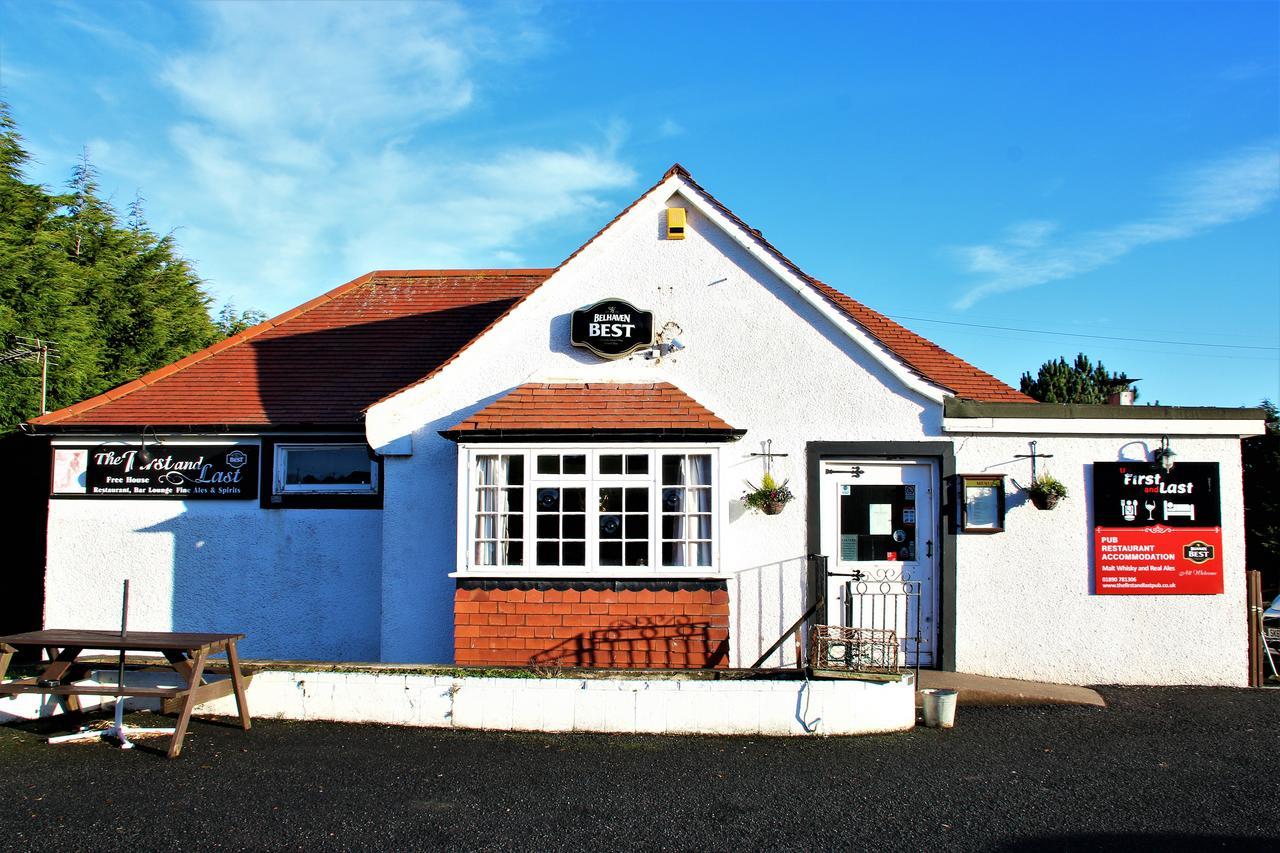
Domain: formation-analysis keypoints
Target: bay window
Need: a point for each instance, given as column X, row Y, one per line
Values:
column 605, row 511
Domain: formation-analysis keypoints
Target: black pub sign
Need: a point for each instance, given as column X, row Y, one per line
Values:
column 612, row 328
column 1143, row 494
column 176, row 471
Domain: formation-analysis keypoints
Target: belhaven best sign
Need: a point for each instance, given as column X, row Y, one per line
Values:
column 1157, row 532
column 612, row 328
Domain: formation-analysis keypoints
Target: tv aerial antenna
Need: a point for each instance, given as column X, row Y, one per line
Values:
column 33, row 349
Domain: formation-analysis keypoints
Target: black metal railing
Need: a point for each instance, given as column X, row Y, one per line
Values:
column 888, row 605
column 875, row 602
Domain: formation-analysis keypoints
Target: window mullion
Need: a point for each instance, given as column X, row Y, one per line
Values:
column 593, row 518
column 655, row 514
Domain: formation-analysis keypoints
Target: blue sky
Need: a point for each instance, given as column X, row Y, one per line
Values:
column 1107, row 170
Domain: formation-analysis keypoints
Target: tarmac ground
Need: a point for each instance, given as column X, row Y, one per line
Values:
column 1163, row 768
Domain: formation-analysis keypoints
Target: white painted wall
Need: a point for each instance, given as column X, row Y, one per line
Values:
column 755, row 353
column 1024, row 607
column 623, row 705
column 352, row 585
column 765, row 360
column 300, row 584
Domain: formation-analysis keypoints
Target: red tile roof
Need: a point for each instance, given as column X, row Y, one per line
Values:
column 322, row 363
column 594, row 406
column 923, row 356
column 328, row 360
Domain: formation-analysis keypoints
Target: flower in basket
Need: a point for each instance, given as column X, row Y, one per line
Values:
column 769, row 497
column 1045, row 491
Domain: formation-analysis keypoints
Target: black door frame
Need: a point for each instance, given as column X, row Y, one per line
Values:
column 942, row 452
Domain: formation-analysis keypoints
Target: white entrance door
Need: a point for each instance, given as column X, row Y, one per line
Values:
column 880, row 534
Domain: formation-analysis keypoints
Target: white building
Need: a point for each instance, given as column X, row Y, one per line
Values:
column 420, row 466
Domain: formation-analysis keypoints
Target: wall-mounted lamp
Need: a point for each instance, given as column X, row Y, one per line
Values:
column 1164, row 454
column 145, row 455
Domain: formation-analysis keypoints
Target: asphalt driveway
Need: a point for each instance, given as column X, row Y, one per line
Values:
column 1166, row 768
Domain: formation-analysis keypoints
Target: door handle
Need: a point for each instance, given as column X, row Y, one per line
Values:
column 928, row 549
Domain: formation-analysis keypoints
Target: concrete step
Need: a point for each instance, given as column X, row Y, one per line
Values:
column 986, row 690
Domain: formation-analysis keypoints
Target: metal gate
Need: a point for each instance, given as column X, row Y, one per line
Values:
column 887, row 605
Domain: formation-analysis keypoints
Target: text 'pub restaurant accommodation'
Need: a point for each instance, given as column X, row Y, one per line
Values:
column 546, row 467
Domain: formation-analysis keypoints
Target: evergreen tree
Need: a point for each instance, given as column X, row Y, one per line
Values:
column 1260, row 458
column 231, row 322
column 36, row 294
column 1079, row 382
column 115, row 298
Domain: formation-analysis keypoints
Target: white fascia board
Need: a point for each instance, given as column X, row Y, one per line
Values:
column 802, row 288
column 131, row 437
column 1100, row 426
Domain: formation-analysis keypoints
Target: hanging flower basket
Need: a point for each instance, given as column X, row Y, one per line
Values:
column 1046, row 491
column 1044, row 501
column 770, row 498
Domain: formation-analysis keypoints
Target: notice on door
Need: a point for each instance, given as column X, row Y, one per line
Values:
column 1157, row 532
column 880, row 521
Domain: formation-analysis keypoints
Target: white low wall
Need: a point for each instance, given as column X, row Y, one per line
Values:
column 564, row 704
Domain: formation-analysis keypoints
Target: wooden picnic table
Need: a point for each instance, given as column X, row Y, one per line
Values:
column 187, row 654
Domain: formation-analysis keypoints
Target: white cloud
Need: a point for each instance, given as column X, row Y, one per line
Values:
column 670, row 128
column 1227, row 190
column 316, row 145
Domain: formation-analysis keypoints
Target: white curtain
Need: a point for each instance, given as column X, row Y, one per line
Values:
column 694, row 472
column 700, row 469
column 494, row 502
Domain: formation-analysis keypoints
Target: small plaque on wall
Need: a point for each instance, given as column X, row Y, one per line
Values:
column 981, row 503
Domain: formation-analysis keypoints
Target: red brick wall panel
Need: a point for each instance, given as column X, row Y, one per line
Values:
column 646, row 628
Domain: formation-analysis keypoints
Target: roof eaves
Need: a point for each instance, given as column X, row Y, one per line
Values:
column 594, row 434
column 961, row 408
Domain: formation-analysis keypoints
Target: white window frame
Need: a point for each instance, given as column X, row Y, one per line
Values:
column 280, row 467
column 593, row 481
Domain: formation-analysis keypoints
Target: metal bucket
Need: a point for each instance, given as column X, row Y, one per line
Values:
column 939, row 708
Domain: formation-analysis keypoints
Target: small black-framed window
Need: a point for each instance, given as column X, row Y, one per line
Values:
column 320, row 472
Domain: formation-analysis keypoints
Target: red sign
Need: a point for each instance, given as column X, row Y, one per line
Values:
column 1157, row 560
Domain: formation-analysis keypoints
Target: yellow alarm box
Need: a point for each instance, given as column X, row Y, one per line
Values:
column 675, row 223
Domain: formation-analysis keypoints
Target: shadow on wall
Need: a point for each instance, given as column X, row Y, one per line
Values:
column 306, row 584
column 300, row 584
column 642, row 642
column 769, row 598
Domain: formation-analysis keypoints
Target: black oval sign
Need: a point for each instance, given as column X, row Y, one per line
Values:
column 612, row 328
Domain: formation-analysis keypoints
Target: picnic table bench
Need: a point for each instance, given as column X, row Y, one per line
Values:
column 186, row 654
